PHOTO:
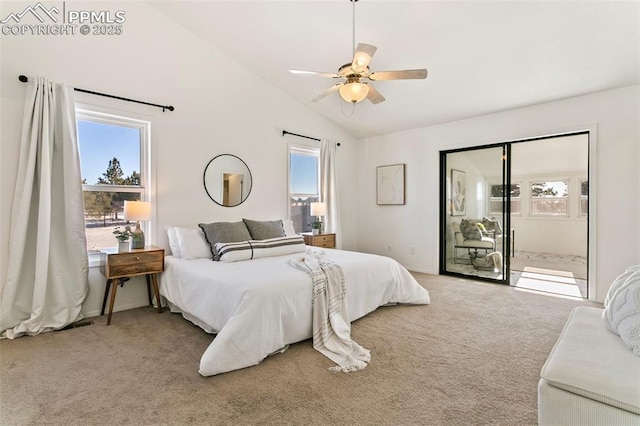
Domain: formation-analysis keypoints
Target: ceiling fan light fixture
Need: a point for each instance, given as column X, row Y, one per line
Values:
column 354, row 92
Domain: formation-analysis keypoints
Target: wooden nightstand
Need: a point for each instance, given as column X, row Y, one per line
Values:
column 116, row 265
column 320, row 240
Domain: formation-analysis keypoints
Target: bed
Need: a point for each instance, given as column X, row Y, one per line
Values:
column 258, row 307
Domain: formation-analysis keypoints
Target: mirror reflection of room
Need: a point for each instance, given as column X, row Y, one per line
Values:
column 232, row 188
column 474, row 218
column 227, row 180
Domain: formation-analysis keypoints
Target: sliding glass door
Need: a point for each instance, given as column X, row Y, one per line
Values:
column 474, row 197
column 517, row 213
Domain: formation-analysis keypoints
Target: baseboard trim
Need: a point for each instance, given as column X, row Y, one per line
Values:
column 420, row 271
column 125, row 307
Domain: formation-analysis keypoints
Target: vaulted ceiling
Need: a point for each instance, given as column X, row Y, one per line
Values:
column 482, row 56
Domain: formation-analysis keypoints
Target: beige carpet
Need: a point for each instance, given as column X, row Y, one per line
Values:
column 471, row 357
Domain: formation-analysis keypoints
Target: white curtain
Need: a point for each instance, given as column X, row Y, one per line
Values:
column 329, row 188
column 47, row 272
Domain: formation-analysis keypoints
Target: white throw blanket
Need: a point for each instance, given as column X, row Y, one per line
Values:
column 496, row 259
column 331, row 325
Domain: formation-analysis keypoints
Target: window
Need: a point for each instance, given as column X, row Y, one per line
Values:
column 304, row 185
column 549, row 198
column 497, row 194
column 113, row 162
column 584, row 197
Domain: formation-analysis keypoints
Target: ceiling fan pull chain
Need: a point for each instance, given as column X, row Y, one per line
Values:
column 353, row 109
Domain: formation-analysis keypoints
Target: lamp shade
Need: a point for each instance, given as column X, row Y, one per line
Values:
column 318, row 209
column 137, row 210
column 354, row 91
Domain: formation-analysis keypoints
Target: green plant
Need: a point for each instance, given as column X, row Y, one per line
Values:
column 316, row 225
column 122, row 235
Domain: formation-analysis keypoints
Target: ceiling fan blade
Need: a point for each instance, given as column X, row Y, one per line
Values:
column 327, row 92
column 374, row 96
column 362, row 57
column 398, row 75
column 315, row 73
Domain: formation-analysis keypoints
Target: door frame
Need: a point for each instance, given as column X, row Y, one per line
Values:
column 591, row 132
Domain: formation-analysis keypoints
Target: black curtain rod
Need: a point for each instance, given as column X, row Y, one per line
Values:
column 284, row 132
column 24, row 79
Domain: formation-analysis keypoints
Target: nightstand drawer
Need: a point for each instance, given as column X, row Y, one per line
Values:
column 322, row 240
column 133, row 263
column 134, row 269
column 133, row 257
column 327, row 241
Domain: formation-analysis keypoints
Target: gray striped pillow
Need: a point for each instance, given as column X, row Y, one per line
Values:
column 254, row 249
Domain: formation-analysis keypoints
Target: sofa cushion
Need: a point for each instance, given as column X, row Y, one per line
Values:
column 470, row 230
column 619, row 281
column 622, row 314
column 590, row 361
column 492, row 224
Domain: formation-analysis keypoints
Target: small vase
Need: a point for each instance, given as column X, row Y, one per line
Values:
column 123, row 246
column 316, row 231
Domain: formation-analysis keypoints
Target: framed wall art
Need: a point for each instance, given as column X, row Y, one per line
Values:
column 390, row 188
column 458, row 193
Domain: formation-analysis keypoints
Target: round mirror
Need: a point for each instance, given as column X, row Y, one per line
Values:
column 227, row 180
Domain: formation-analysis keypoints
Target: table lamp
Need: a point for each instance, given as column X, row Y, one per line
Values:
column 318, row 210
column 137, row 210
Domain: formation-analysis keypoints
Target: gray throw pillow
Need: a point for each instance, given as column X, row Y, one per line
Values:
column 224, row 232
column 262, row 230
column 470, row 230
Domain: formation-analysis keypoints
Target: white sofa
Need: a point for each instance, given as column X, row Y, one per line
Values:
column 591, row 377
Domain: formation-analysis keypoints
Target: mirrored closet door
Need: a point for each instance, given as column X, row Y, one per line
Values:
column 474, row 200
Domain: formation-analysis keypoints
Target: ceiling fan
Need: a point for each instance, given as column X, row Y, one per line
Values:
column 352, row 89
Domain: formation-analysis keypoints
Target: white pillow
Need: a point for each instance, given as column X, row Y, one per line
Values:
column 287, row 224
column 254, row 249
column 174, row 245
column 622, row 315
column 618, row 282
column 192, row 244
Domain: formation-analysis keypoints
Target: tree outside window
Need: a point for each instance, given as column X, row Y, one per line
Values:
column 497, row 195
column 549, row 198
column 584, row 197
column 113, row 154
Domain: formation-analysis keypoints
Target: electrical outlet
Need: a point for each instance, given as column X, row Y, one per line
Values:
column 412, row 250
column 389, row 248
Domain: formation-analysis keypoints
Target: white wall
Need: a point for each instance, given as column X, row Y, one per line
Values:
column 221, row 107
column 615, row 180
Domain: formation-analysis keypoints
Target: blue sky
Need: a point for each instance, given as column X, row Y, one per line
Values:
column 99, row 143
column 304, row 174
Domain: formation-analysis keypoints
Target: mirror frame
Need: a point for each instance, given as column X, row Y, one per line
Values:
column 204, row 180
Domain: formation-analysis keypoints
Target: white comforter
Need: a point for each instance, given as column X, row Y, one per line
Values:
column 258, row 307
